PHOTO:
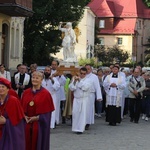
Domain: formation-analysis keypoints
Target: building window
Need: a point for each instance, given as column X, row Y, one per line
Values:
column 90, row 51
column 17, row 45
column 12, row 42
column 101, row 41
column 119, row 41
column 141, row 40
column 139, row 24
column 102, row 24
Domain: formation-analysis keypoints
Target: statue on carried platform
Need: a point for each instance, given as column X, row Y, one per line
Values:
column 68, row 42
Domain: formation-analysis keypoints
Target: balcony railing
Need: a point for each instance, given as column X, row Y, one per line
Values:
column 16, row 7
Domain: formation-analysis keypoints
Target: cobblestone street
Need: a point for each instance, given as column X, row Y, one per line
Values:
column 101, row 136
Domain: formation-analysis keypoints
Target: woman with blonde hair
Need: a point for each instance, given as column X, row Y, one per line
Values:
column 37, row 105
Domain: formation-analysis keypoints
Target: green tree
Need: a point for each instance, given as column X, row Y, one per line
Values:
column 83, row 62
column 115, row 54
column 147, row 2
column 41, row 34
column 110, row 55
column 92, row 61
column 100, row 52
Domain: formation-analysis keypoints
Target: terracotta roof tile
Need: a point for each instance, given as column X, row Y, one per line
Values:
column 127, row 10
column 119, row 8
column 100, row 8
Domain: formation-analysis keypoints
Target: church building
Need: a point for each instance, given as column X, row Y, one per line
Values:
column 12, row 16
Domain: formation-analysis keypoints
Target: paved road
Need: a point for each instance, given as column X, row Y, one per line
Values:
column 101, row 136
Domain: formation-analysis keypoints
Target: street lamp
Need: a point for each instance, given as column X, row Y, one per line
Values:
column 96, row 49
column 134, row 60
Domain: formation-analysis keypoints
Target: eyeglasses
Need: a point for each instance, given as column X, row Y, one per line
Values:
column 82, row 73
column 22, row 68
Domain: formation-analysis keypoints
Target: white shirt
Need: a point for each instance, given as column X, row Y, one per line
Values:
column 95, row 86
column 6, row 75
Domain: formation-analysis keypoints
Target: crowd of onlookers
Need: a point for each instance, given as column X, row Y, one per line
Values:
column 132, row 76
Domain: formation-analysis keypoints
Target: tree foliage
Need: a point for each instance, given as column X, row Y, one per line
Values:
column 111, row 54
column 41, row 34
column 147, row 2
column 92, row 61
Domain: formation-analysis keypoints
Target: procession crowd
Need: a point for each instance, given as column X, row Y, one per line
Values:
column 34, row 101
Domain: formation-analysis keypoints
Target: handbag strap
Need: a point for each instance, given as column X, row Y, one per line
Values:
column 138, row 82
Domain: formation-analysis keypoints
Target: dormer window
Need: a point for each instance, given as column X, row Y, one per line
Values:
column 102, row 24
column 119, row 41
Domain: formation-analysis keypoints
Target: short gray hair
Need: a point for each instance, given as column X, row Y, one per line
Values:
column 38, row 73
column 147, row 73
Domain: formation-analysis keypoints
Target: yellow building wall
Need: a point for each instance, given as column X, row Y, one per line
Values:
column 87, row 29
column 14, row 46
column 111, row 40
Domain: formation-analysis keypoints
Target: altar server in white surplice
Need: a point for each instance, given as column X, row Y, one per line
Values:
column 52, row 85
column 80, row 87
column 114, row 85
column 61, row 91
column 95, row 94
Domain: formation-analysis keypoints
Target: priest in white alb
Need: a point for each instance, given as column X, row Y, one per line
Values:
column 52, row 85
column 60, row 94
column 95, row 94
